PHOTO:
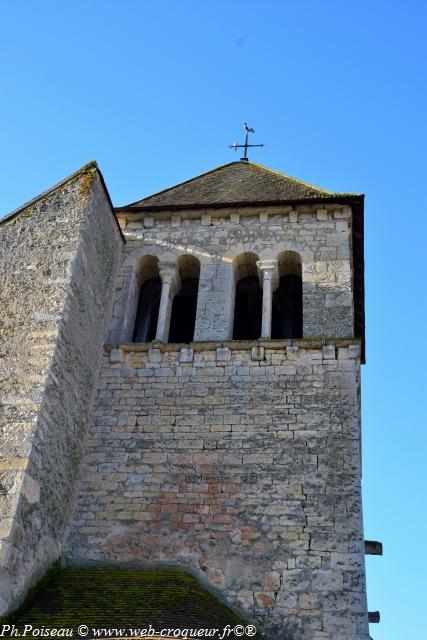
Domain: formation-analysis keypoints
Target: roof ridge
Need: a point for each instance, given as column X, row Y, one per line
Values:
column 84, row 169
column 178, row 184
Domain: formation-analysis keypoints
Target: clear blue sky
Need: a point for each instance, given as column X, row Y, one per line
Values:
column 155, row 91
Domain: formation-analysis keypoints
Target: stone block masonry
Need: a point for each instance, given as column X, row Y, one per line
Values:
column 59, row 256
column 241, row 462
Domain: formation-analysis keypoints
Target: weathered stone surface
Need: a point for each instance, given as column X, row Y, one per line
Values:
column 238, row 460
column 196, row 472
column 58, row 263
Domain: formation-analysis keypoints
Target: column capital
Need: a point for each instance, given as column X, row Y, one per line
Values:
column 267, row 266
column 268, row 271
column 167, row 270
column 168, row 273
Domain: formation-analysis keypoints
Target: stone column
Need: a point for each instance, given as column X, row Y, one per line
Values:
column 268, row 269
column 170, row 282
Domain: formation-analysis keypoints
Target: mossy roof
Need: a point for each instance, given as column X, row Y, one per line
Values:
column 123, row 598
column 236, row 183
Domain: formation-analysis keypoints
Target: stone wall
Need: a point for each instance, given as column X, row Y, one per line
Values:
column 58, row 263
column 321, row 237
column 241, row 462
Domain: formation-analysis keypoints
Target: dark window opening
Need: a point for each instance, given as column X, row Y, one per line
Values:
column 248, row 309
column 148, row 311
column 183, row 317
column 287, row 308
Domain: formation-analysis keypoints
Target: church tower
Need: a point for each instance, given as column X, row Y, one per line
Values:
column 224, row 435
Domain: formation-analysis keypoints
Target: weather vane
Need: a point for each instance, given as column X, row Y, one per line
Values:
column 245, row 146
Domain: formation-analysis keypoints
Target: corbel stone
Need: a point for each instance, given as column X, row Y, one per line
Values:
column 322, row 214
column 187, row 355
column 258, row 353
column 223, row 354
column 354, row 351
column 154, row 355
column 328, row 352
column 374, row 617
column 116, row 355
column 373, row 548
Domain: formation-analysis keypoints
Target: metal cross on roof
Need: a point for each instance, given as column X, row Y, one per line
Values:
column 245, row 146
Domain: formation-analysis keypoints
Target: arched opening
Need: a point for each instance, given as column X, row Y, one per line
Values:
column 248, row 300
column 184, row 307
column 287, row 299
column 149, row 300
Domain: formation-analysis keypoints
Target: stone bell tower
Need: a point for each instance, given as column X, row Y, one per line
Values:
column 198, row 398
column 234, row 449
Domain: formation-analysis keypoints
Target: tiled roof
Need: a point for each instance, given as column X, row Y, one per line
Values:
column 235, row 183
column 109, row 597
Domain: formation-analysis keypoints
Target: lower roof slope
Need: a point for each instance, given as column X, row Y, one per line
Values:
column 122, row 598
